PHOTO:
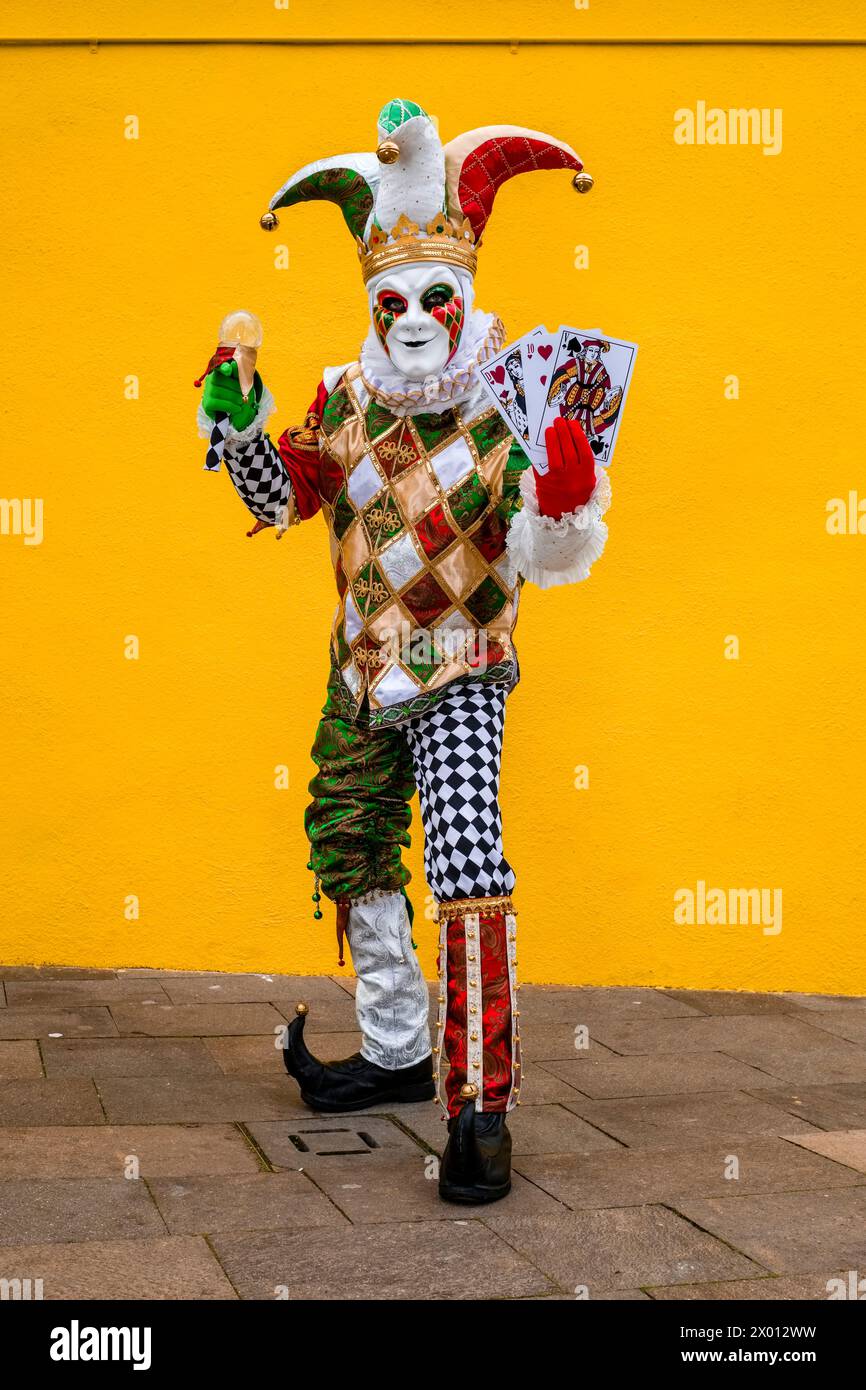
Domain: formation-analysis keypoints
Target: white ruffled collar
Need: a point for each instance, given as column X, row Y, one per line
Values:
column 482, row 337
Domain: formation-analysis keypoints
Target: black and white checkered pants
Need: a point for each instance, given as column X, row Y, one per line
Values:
column 358, row 820
column 456, row 749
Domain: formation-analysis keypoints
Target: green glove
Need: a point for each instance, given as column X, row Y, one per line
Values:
column 222, row 396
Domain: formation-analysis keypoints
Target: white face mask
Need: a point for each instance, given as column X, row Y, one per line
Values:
column 418, row 312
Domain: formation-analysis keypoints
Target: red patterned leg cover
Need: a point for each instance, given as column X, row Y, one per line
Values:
column 477, row 1002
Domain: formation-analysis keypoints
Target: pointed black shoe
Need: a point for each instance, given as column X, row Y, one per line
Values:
column 354, row 1083
column 476, row 1164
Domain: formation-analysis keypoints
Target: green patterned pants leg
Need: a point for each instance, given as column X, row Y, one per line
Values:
column 358, row 820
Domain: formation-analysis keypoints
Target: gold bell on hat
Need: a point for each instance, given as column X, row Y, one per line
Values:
column 388, row 152
column 583, row 181
column 269, row 222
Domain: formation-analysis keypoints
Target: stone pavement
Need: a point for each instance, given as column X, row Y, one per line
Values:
column 702, row 1146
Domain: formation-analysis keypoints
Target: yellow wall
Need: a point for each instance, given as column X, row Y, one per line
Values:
column 155, row 777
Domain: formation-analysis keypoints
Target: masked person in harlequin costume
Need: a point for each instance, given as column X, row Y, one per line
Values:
column 435, row 520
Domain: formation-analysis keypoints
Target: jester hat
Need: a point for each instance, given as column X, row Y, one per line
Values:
column 417, row 200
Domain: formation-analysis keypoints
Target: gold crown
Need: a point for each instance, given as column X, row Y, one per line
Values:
column 443, row 240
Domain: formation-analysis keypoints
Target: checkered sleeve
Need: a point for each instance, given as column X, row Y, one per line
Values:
column 259, row 477
column 278, row 483
column 254, row 464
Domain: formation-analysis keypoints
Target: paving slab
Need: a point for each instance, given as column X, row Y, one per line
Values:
column 788, row 1232
column 198, row 1099
column 401, row 1187
column 105, row 1057
column 74, row 1209
column 825, row 1063
column 407, row 1260
column 196, row 1020
column 541, row 1087
column 170, row 1267
column 541, row 1004
column 557, row 1042
column 829, row 1003
column 659, row 1122
column 827, row 1107
column 846, row 1146
column 144, row 972
column 808, row 1287
column 245, row 1056
column 76, row 994
column 19, row 1061
column 250, row 989
column 259, row 1202
column 535, row 1128
column 325, row 1016
column 104, row 1151
column 95, row 1022
column 425, row 1120
column 840, row 1023
column 607, row 1077
column 728, row 1033
column 555, row 1129
column 634, row 1177
column 619, row 1248
column 722, row 1001
column 599, row 1296
column 45, row 1102
column 55, row 972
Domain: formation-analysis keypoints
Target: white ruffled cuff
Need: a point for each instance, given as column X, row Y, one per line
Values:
column 234, row 438
column 549, row 552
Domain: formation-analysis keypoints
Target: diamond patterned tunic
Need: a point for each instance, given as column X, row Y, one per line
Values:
column 418, row 508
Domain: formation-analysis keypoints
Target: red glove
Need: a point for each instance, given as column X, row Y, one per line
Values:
column 570, row 478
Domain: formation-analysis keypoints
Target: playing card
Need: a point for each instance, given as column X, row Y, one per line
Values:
column 588, row 381
column 536, row 349
column 503, row 381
